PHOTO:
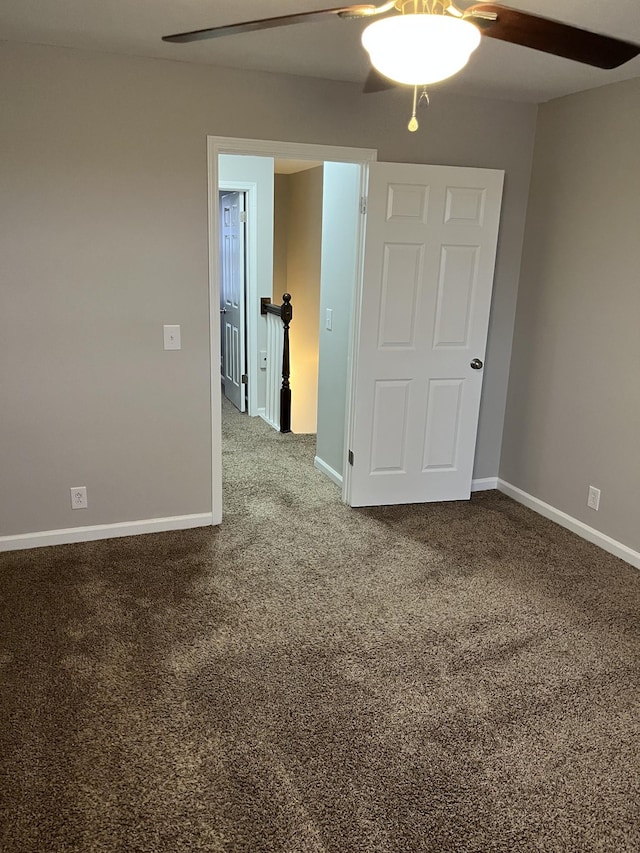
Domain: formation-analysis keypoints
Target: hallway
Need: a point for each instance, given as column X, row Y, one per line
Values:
column 266, row 472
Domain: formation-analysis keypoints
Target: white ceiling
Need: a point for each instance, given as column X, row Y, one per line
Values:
column 331, row 50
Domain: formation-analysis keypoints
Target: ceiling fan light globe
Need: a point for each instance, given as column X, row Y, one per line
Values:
column 419, row 49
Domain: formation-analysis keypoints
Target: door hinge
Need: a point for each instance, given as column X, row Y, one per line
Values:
column 245, row 379
column 363, row 204
column 350, row 457
column 243, row 216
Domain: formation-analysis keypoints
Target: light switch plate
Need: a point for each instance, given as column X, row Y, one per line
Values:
column 329, row 319
column 171, row 337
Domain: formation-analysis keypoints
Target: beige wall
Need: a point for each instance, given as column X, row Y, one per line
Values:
column 573, row 415
column 297, row 244
column 103, row 238
column 304, row 246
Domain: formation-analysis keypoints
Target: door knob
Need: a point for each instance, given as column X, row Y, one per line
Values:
column 476, row 364
column 223, row 310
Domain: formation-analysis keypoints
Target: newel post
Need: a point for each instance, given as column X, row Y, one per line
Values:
column 286, row 310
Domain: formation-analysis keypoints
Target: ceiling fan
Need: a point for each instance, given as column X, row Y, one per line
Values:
column 425, row 41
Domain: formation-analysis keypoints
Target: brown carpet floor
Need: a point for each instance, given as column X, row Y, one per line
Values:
column 313, row 679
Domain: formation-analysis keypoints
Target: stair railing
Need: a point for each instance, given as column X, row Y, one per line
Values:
column 278, row 319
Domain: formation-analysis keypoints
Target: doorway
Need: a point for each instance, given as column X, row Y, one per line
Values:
column 308, row 219
column 242, row 164
column 425, row 248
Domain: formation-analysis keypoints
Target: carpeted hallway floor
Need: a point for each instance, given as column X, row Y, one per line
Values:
column 313, row 679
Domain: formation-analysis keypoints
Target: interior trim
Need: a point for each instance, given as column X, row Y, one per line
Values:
column 570, row 523
column 217, row 145
column 484, row 484
column 90, row 533
column 327, row 470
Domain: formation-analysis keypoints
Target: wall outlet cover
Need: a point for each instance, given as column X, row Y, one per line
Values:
column 79, row 497
column 593, row 498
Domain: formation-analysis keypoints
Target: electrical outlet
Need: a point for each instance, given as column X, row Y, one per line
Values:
column 79, row 497
column 593, row 499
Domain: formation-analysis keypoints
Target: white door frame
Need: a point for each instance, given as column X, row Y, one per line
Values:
column 250, row 294
column 217, row 145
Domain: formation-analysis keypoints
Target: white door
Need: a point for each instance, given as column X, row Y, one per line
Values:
column 431, row 234
column 232, row 307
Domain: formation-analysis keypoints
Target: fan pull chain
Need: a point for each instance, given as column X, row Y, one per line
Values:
column 413, row 121
column 423, row 101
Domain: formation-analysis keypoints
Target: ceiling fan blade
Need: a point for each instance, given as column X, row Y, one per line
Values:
column 553, row 37
column 377, row 82
column 360, row 11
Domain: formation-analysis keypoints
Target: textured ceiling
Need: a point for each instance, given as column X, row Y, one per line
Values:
column 330, row 50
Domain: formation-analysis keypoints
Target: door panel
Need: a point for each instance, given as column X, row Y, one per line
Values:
column 232, row 308
column 456, row 285
column 401, row 275
column 430, row 244
column 444, row 402
column 388, row 444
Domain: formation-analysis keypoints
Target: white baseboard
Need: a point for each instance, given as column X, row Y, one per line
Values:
column 328, row 471
column 261, row 414
column 484, row 484
column 589, row 533
column 103, row 531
